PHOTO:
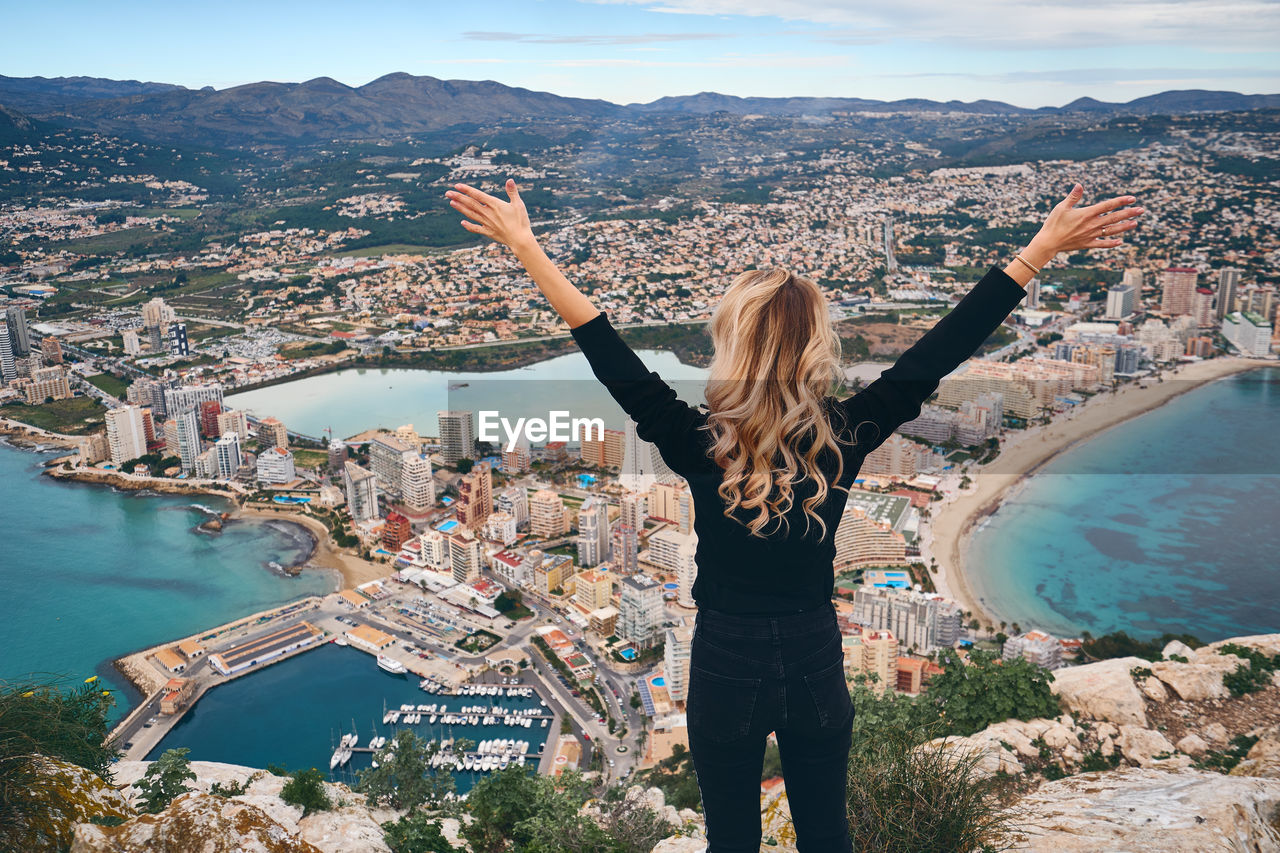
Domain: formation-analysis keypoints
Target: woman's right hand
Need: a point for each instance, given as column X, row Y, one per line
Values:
column 1097, row 226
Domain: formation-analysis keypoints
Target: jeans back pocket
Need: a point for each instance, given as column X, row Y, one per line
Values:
column 830, row 693
column 720, row 706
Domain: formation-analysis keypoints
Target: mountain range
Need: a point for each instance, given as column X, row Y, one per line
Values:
column 399, row 105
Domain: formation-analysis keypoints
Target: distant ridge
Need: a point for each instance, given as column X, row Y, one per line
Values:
column 400, row 104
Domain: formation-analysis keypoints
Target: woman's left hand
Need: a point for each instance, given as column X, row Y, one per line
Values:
column 505, row 222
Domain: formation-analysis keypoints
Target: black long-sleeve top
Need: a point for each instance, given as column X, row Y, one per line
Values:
column 791, row 570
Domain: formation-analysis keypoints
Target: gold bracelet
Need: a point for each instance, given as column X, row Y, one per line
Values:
column 1026, row 263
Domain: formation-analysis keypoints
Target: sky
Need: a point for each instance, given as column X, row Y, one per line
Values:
column 626, row 51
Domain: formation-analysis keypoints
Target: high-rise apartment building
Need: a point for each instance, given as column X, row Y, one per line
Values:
column 457, row 435
column 1178, row 291
column 234, row 420
column 362, row 491
column 921, row 622
column 518, row 459
column 606, row 451
column 635, row 509
column 209, row 411
column 546, row 515
column 272, row 433
column 187, row 397
column 178, row 344
column 874, row 653
column 514, row 501
column 640, row 611
column 624, row 549
column 593, row 589
column 1228, row 285
column 15, row 318
column 276, row 465
column 187, row 434
column 465, row 555
column 51, row 350
column 593, row 532
column 387, row 455
column 417, row 486
column 227, row 451
column 8, row 361
column 1121, row 301
column 126, row 435
column 475, row 496
column 642, row 464
column 675, row 661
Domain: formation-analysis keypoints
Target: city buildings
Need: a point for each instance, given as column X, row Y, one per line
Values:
column 1248, row 332
column 921, row 622
column 387, row 457
column 873, row 652
column 1036, row 646
column 15, row 318
column 396, row 531
column 593, row 589
column 1228, row 285
column 642, row 464
column 8, row 360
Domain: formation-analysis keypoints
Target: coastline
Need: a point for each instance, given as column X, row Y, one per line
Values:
column 325, row 553
column 947, row 534
column 30, row 437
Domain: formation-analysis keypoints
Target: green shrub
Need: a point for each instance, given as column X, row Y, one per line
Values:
column 967, row 698
column 416, row 833
column 306, row 790
column 43, row 718
column 1252, row 676
column 906, row 797
column 165, row 779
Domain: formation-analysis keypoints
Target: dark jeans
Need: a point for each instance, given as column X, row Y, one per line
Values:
column 751, row 675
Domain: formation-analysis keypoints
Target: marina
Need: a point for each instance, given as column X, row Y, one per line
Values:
column 328, row 707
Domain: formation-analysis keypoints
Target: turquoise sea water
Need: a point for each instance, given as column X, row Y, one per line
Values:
column 295, row 712
column 1168, row 522
column 90, row 574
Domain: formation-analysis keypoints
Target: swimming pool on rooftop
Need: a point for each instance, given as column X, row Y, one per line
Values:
column 447, row 526
column 658, row 681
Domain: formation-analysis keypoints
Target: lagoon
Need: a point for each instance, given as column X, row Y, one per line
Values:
column 350, row 401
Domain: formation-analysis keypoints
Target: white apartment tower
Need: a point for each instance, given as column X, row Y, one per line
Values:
column 417, row 486
column 126, row 434
column 457, row 435
column 593, row 532
column 227, row 451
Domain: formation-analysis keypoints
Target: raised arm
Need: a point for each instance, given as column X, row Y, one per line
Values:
column 899, row 393
column 661, row 418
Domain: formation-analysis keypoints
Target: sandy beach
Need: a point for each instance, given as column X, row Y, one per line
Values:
column 946, row 535
column 327, row 555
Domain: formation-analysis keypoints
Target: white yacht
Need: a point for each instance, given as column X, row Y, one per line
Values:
column 391, row 665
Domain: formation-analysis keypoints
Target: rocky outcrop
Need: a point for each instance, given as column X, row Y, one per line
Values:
column 259, row 811
column 202, row 822
column 1263, row 759
column 70, row 795
column 1103, row 691
column 1155, row 811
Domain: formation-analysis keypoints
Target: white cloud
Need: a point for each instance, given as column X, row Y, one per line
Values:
column 1012, row 24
